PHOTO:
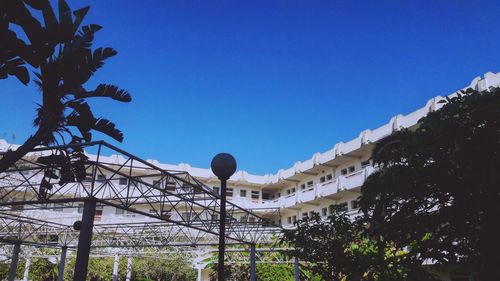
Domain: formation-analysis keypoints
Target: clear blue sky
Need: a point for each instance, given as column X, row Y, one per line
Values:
column 272, row 82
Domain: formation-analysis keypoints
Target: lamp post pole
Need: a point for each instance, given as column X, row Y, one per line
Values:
column 222, row 229
column 85, row 239
column 223, row 166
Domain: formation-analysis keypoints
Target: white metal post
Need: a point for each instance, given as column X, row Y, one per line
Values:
column 129, row 268
column 26, row 269
column 115, row 267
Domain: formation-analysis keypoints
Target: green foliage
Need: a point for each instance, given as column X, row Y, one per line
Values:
column 99, row 268
column 340, row 249
column 170, row 268
column 60, row 55
column 437, row 189
column 167, row 268
column 434, row 197
column 4, row 270
column 42, row 270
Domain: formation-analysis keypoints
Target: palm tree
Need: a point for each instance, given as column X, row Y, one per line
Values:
column 61, row 57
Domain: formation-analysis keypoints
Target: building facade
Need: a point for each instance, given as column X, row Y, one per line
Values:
column 333, row 177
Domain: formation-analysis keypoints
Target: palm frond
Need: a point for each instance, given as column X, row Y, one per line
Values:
column 96, row 60
column 65, row 22
column 79, row 16
column 105, row 90
column 82, row 108
column 107, row 127
column 83, row 125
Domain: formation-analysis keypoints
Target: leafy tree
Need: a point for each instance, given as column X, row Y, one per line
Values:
column 99, row 268
column 437, row 189
column 340, row 249
column 60, row 55
column 323, row 245
column 42, row 270
column 167, row 268
column 164, row 268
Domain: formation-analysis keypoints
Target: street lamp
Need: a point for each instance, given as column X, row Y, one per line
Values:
column 223, row 166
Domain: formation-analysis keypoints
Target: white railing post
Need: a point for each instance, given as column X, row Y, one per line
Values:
column 27, row 269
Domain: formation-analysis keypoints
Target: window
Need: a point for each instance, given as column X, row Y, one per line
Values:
column 186, row 187
column 293, row 190
column 100, row 178
column 122, row 181
column 324, row 212
column 311, row 213
column 117, row 211
column 329, row 177
column 229, row 192
column 17, row 207
column 185, row 216
column 170, row 186
column 216, row 190
column 58, row 207
column 288, row 191
column 343, row 172
column 310, row 183
column 156, row 183
column 303, row 186
column 266, row 196
column 343, row 206
column 365, row 163
column 130, row 213
column 294, row 219
column 243, row 218
column 152, row 211
column 331, row 208
column 304, row 215
column 98, row 211
column 354, row 204
column 251, row 219
column 166, row 215
column 255, row 194
column 322, row 179
column 80, row 208
column 352, row 169
column 243, row 193
column 289, row 220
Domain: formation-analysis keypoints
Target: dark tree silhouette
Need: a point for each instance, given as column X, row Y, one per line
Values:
column 62, row 59
column 438, row 187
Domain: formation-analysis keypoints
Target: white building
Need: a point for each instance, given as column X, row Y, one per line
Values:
column 333, row 177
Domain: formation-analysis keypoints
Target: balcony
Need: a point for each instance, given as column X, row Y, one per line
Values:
column 355, row 179
column 306, row 195
column 327, row 189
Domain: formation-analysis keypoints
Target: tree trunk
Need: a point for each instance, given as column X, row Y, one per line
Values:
column 48, row 125
column 13, row 156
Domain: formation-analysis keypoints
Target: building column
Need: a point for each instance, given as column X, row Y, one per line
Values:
column 115, row 268
column 26, row 269
column 296, row 268
column 252, row 262
column 129, row 269
column 62, row 263
column 13, row 262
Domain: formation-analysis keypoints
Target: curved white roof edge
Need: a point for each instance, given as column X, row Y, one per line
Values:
column 365, row 137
